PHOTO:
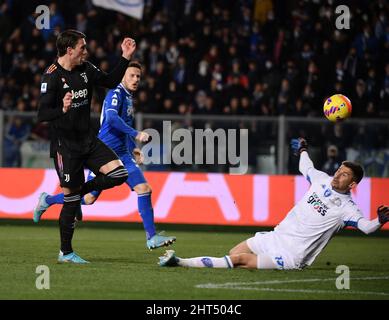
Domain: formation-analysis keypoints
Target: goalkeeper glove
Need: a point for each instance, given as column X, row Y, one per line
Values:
column 383, row 214
column 298, row 145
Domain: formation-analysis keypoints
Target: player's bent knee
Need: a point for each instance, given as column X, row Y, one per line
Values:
column 89, row 199
column 117, row 176
column 240, row 248
column 244, row 260
column 110, row 166
column 143, row 188
column 248, row 260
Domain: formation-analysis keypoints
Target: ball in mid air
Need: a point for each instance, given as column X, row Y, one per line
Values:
column 337, row 108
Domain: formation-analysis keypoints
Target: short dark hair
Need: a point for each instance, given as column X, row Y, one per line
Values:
column 356, row 168
column 68, row 38
column 135, row 64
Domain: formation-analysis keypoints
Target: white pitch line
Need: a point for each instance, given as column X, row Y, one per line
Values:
column 296, row 281
column 311, row 291
column 238, row 286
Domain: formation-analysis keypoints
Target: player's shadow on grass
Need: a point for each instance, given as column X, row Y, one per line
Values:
column 123, row 260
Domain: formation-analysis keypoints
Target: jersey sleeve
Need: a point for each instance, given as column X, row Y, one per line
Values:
column 352, row 215
column 112, row 79
column 308, row 170
column 113, row 100
column 131, row 144
column 48, row 108
column 113, row 103
column 355, row 219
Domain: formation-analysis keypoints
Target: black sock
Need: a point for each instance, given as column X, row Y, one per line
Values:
column 70, row 207
column 105, row 181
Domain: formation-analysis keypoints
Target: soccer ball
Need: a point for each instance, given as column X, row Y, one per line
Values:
column 337, row 107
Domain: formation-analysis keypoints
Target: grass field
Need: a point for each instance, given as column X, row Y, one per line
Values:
column 122, row 268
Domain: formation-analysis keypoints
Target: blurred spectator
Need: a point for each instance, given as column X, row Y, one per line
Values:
column 359, row 99
column 257, row 57
column 16, row 132
column 333, row 161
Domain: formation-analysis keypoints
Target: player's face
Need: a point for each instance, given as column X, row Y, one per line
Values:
column 132, row 78
column 343, row 179
column 79, row 53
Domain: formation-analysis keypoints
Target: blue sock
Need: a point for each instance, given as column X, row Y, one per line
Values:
column 55, row 199
column 147, row 214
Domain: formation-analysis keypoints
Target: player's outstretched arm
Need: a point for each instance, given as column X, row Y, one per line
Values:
column 369, row 226
column 118, row 123
column 299, row 148
column 112, row 79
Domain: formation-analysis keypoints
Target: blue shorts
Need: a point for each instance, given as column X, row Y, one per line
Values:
column 135, row 174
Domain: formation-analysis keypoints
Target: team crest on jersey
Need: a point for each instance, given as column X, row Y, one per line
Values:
column 84, row 76
column 327, row 193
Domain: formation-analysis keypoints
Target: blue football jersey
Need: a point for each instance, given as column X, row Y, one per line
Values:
column 117, row 119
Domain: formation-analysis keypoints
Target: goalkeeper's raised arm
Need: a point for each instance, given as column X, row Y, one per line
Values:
column 300, row 148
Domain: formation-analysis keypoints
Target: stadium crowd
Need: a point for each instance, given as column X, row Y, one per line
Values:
column 246, row 57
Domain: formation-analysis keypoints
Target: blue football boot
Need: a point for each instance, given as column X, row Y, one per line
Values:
column 71, row 258
column 41, row 207
column 159, row 240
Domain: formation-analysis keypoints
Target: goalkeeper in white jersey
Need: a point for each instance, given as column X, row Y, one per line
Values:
column 326, row 208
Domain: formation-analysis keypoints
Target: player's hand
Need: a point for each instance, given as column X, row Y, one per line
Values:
column 138, row 155
column 128, row 47
column 298, row 145
column 383, row 214
column 142, row 136
column 67, row 102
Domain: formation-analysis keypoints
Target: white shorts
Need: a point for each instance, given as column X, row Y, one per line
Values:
column 270, row 252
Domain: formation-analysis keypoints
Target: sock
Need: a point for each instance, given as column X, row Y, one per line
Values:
column 147, row 213
column 66, row 221
column 206, row 262
column 105, row 181
column 96, row 194
column 58, row 198
column 55, row 199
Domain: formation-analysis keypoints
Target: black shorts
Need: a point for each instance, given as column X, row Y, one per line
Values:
column 70, row 167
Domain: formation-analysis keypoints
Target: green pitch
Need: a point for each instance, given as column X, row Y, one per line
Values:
column 122, row 268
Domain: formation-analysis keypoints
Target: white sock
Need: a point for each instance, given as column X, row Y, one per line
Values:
column 206, row 262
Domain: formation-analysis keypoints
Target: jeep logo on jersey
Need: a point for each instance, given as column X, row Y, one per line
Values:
column 79, row 94
column 317, row 204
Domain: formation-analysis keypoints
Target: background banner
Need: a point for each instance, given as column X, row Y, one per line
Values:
column 132, row 8
column 188, row 198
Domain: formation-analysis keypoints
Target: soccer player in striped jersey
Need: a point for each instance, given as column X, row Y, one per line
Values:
column 117, row 132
